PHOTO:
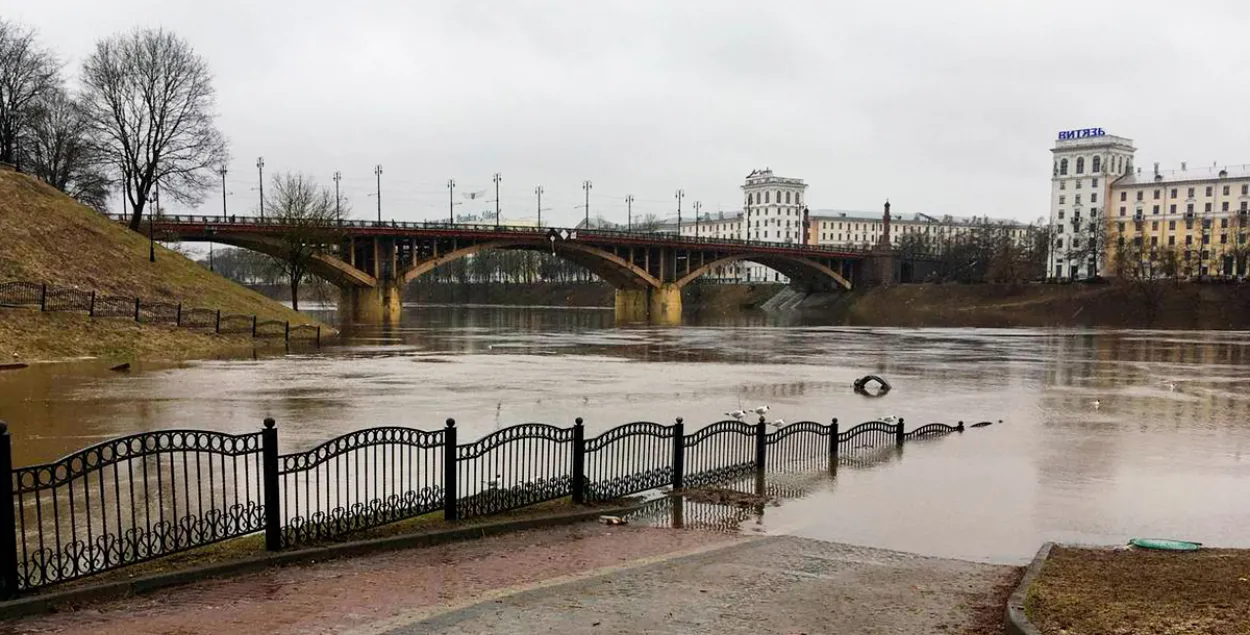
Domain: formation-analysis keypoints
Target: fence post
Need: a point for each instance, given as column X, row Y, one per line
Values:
column 833, row 441
column 178, row 318
column 960, row 427
column 449, row 472
column 253, row 326
column 286, row 335
column 679, row 454
column 217, row 326
column 43, row 297
column 91, row 309
column 761, row 448
column 8, row 526
column 579, row 462
column 318, row 335
column 269, row 465
column 898, row 432
column 136, row 309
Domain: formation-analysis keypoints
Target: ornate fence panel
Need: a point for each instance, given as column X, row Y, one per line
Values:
column 271, row 329
column 873, row 434
column 159, row 312
column 21, row 294
column 199, row 318
column 628, row 459
column 134, row 499
column 236, row 323
column 719, row 452
column 360, row 480
column 514, row 467
column 933, row 430
column 68, row 300
column 306, row 332
column 802, row 445
column 114, row 306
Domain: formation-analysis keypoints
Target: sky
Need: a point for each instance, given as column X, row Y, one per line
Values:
column 942, row 107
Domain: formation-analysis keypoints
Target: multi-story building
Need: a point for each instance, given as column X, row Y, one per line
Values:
column 1108, row 218
column 1186, row 222
column 864, row 229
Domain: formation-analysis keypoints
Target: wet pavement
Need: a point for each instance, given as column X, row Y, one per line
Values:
column 1105, row 435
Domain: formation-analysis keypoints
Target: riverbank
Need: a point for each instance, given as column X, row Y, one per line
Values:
column 1140, row 591
column 1162, row 305
column 48, row 238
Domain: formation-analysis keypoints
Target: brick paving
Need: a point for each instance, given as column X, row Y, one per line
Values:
column 361, row 594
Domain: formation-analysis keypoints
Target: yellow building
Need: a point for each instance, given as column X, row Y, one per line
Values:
column 1199, row 215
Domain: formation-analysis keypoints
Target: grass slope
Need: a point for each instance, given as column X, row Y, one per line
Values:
column 46, row 236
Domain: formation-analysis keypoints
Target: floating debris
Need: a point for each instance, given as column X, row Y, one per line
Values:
column 121, row 368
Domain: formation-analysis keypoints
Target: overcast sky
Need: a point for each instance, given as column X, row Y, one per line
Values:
column 943, row 107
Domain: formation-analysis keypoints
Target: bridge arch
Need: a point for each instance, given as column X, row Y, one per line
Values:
column 326, row 266
column 798, row 269
column 613, row 269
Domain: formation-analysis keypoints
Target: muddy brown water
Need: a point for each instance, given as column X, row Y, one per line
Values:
column 1149, row 459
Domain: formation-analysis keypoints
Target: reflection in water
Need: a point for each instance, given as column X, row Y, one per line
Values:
column 1152, row 459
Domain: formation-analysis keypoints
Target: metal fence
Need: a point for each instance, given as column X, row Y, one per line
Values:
column 47, row 298
column 157, row 493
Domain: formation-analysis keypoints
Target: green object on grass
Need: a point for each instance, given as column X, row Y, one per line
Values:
column 1165, row 544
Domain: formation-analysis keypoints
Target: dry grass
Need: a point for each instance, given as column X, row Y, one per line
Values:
column 47, row 237
column 1143, row 592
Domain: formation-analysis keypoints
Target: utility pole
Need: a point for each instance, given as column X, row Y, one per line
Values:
column 260, row 173
column 377, row 171
column 451, row 201
column 338, row 210
column 222, row 172
column 156, row 207
column 586, row 185
column 697, row 206
column 539, row 191
column 680, row 195
column 497, row 179
column 629, row 211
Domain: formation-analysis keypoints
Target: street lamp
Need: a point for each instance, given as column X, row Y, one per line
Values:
column 586, row 185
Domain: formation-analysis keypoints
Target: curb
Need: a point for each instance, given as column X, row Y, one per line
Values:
column 1015, row 620
column 50, row 602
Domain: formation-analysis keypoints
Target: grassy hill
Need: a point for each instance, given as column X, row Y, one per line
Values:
column 46, row 236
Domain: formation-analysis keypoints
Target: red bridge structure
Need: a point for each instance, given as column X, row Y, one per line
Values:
column 371, row 261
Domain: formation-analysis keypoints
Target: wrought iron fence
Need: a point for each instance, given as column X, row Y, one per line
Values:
column 33, row 294
column 149, row 495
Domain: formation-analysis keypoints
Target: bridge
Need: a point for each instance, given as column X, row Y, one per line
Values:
column 371, row 261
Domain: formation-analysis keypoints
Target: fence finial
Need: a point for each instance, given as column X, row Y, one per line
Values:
column 269, row 422
column 451, row 423
column 578, row 421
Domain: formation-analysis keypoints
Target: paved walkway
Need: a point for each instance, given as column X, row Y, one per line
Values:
column 580, row 579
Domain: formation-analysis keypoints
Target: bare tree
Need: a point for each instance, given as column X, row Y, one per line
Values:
column 309, row 228
column 150, row 98
column 647, row 223
column 27, row 73
column 61, row 151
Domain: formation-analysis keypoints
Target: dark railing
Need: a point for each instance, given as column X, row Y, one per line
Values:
column 153, row 494
column 34, row 294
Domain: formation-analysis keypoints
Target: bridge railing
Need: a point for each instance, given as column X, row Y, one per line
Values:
column 582, row 233
column 148, row 495
column 50, row 298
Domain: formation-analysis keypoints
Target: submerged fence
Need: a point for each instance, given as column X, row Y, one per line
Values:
column 152, row 494
column 47, row 298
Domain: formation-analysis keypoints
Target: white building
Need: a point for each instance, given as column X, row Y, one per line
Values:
column 1086, row 161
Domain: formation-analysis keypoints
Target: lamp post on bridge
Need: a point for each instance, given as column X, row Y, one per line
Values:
column 377, row 171
column 451, row 201
column 698, row 205
column 497, row 180
column 222, row 172
column 260, row 174
column 629, row 211
column 338, row 210
column 680, row 195
column 586, row 185
column 538, row 191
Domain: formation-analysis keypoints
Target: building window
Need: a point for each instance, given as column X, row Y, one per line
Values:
column 1123, row 196
column 1172, row 224
column 1154, row 241
column 1189, row 193
column 1093, row 182
column 1139, row 193
column 1156, row 209
column 1225, row 190
column 1063, row 167
column 1189, row 240
column 1223, row 239
column 787, row 198
column 1080, row 165
column 1189, row 208
column 1078, row 199
column 767, row 197
column 1096, row 165
column 1154, row 226
column 1171, row 240
column 1078, row 184
column 1120, row 226
column 1156, row 195
column 1061, row 199
column 1063, row 185
column 1173, row 192
column 1060, row 215
column 1245, row 189
column 1093, row 197
column 1207, row 207
column 1122, row 210
column 1223, row 206
column 1209, row 190
column 1139, row 212
column 1172, row 208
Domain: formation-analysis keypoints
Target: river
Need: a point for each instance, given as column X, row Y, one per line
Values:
column 1148, row 459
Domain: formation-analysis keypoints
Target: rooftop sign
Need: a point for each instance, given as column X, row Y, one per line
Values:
column 1067, row 135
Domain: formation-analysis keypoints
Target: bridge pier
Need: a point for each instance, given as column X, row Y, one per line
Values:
column 649, row 305
column 371, row 305
column 632, row 305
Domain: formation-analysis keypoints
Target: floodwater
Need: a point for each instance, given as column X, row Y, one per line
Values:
column 1150, row 459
